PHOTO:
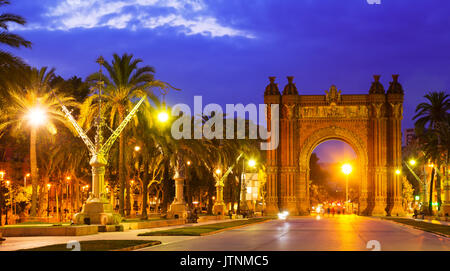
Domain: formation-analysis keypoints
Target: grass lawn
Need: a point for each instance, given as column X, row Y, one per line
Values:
column 425, row 226
column 199, row 230
column 98, row 245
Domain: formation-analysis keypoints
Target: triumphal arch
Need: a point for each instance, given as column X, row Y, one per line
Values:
column 369, row 123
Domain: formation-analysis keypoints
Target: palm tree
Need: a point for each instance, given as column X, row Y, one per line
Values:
column 125, row 82
column 432, row 117
column 432, row 113
column 10, row 65
column 35, row 105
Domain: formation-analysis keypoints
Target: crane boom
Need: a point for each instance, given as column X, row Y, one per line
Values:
column 108, row 144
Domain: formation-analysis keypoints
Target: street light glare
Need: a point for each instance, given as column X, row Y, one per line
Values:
column 347, row 169
column 252, row 163
column 137, row 148
column 218, row 171
column 412, row 162
column 37, row 116
column 163, row 116
column 397, row 171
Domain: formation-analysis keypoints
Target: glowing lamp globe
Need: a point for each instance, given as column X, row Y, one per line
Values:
column 163, row 117
column 37, row 116
column 252, row 163
column 347, row 169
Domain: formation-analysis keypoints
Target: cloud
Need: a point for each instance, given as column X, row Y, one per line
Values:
column 189, row 17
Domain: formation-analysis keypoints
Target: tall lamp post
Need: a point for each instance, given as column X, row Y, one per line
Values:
column 48, row 200
column 346, row 169
column 2, row 176
column 97, row 209
column 242, row 185
column 6, row 205
column 25, row 179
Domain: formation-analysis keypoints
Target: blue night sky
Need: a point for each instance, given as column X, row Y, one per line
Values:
column 224, row 50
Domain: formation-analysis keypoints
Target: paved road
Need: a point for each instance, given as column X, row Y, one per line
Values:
column 313, row 233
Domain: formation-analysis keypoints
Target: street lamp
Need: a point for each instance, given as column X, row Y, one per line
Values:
column 48, row 199
column 9, row 192
column 163, row 116
column 37, row 116
column 398, row 172
column 2, row 176
column 25, row 179
column 252, row 163
column 218, row 171
column 137, row 148
column 412, row 162
column 346, row 169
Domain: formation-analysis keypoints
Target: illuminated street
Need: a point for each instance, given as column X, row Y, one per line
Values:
column 334, row 233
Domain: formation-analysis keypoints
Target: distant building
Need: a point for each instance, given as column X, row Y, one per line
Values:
column 410, row 136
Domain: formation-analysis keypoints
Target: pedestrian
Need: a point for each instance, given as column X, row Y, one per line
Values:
column 415, row 214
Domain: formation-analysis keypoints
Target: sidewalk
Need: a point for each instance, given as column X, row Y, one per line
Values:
column 432, row 221
column 16, row 243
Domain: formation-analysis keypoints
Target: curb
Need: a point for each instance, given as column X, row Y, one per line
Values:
column 417, row 228
column 152, row 243
column 233, row 228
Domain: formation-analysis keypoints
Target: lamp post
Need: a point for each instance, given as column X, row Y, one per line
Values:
column 25, row 179
column 97, row 209
column 219, row 206
column 2, row 176
column 68, row 179
column 48, row 200
column 188, row 185
column 242, row 185
column 346, row 169
column 6, row 205
column 423, row 183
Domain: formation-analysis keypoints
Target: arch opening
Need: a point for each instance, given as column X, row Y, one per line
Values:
column 361, row 164
column 328, row 192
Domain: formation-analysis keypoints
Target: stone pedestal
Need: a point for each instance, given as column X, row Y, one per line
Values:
column 291, row 207
column 97, row 211
column 379, row 208
column 178, row 207
column 397, row 209
column 177, row 211
column 445, row 208
column 271, row 208
column 219, row 206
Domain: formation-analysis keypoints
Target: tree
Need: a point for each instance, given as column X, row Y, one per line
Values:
column 124, row 83
column 35, row 100
column 431, row 121
column 407, row 192
column 10, row 66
